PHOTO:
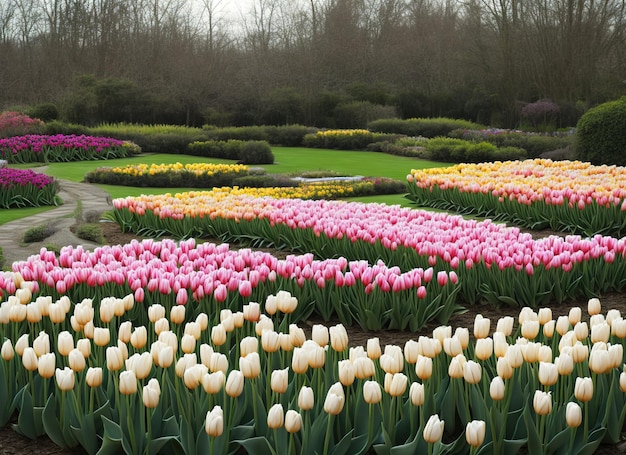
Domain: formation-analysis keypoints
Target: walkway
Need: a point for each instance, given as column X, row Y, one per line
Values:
column 62, row 217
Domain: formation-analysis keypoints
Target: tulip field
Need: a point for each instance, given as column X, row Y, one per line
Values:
column 493, row 262
column 568, row 196
column 114, row 375
column 175, row 345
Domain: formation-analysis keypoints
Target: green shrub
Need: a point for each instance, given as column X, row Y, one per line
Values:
column 256, row 152
column 374, row 186
column 91, row 232
column 357, row 114
column 228, row 150
column 58, row 127
column 44, row 112
column 243, row 133
column 350, row 139
column 2, row 259
column 288, row 135
column 427, row 127
column 38, row 233
column 508, row 154
column 601, row 134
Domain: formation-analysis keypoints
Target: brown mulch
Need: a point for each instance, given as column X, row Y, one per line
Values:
column 12, row 443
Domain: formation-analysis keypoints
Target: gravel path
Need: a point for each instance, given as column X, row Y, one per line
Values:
column 11, row 234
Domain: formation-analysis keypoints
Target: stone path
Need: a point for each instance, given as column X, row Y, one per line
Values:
column 62, row 217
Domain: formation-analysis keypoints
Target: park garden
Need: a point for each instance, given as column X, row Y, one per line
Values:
column 174, row 345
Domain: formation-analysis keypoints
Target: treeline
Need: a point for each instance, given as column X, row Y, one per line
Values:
column 325, row 63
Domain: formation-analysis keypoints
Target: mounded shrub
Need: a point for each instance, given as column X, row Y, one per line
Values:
column 228, row 150
column 256, row 152
column 44, row 112
column 601, row 134
column 92, row 232
column 264, row 181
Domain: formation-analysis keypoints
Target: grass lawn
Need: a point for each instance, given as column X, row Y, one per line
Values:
column 287, row 160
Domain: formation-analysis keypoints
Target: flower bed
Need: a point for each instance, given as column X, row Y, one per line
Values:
column 60, row 148
column 90, row 373
column 193, row 175
column 26, row 188
column 212, row 277
column 493, row 262
column 568, row 196
column 15, row 123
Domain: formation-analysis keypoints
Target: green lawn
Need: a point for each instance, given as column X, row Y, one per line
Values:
column 287, row 160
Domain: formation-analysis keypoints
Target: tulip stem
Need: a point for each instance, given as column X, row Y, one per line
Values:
column 328, row 433
column 130, row 424
column 149, row 418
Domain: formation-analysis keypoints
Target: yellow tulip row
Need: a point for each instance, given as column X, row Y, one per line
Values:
column 531, row 180
column 348, row 132
column 195, row 168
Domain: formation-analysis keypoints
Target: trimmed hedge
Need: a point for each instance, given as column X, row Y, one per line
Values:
column 426, row 127
column 246, row 152
column 601, row 134
column 459, row 151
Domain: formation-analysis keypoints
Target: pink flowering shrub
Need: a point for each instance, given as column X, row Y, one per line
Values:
column 16, row 124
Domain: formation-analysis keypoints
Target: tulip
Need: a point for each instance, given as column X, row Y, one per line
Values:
column 433, row 431
column 530, row 352
column 373, row 348
column 297, row 336
column 416, row 394
column 319, row 334
column 575, row 315
column 94, row 376
column 234, row 383
column 139, row 337
column 455, row 369
column 65, row 379
column 212, row 383
column 188, row 344
column 156, row 312
column 115, row 358
column 542, row 403
column 293, row 421
column 496, row 388
column 504, row 368
column 346, row 372
column 177, row 314
column 544, row 354
column 161, row 325
column 564, row 364
column 248, row 345
column 411, row 351
column 151, row 396
column 7, row 351
column 530, row 329
column 505, row 325
column 618, row 328
column 392, row 361
column 270, row 341
column 250, row 365
column 29, row 359
column 562, row 325
column 56, row 313
column 107, row 310
column 452, row 346
column 573, row 415
column 462, row 334
column 335, row 399
column 500, row 345
column 46, row 364
column 203, row 321
column 580, row 352
column 599, row 361
column 481, row 327
column 424, row 367
column 306, row 399
column 484, row 348
column 33, row 313
column 141, row 364
column 475, row 432
column 622, row 382
column 193, row 374
column 338, row 338
column 514, row 356
column 275, row 417
column 184, row 362
column 41, row 344
column 84, row 346
column 372, row 392
column 472, row 372
column 548, row 374
column 583, row 389
column 165, row 356
column 593, row 306
column 600, row 332
column 316, row 354
column 218, row 335
column 548, row 328
column 544, row 315
column 364, row 368
column 395, row 384
column 252, row 312
column 101, row 336
column 271, row 305
column 128, row 382
column 218, row 362
column 77, row 361
column 299, row 361
column 616, row 354
column 279, row 380
column 431, row 347
column 214, row 425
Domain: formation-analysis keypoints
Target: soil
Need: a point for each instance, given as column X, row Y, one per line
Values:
column 12, row 443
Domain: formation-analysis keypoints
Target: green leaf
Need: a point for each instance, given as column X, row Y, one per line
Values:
column 29, row 419
column 52, row 425
column 594, row 441
column 112, row 438
column 535, row 445
column 258, row 445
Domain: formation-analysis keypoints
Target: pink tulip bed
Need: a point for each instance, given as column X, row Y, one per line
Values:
column 26, row 188
column 568, row 196
column 493, row 262
column 35, row 148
